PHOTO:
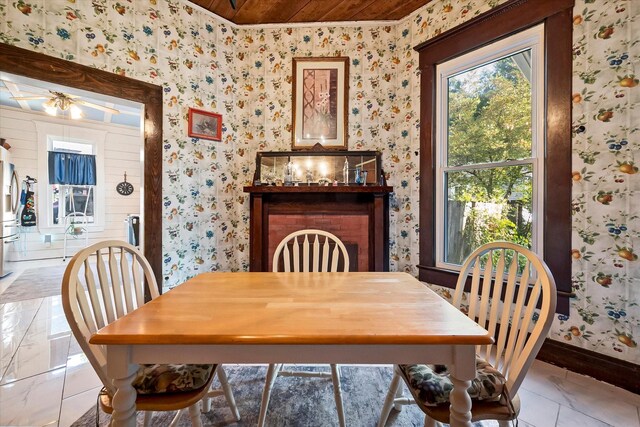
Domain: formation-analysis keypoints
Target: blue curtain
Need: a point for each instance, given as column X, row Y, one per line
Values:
column 72, row 169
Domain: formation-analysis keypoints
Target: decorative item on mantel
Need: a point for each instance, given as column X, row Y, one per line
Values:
column 319, row 168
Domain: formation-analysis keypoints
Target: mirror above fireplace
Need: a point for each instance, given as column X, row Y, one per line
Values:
column 319, row 168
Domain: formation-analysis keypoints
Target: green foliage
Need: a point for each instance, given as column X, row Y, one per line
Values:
column 490, row 121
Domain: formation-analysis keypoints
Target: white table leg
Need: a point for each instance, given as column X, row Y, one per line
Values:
column 122, row 371
column 462, row 372
column 460, row 403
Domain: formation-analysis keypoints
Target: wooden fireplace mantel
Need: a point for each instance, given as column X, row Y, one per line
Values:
column 368, row 203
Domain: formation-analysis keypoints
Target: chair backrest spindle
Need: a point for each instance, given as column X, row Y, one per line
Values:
column 305, row 253
column 325, row 256
column 296, row 256
column 116, row 284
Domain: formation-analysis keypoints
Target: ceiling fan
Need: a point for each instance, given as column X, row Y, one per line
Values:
column 62, row 101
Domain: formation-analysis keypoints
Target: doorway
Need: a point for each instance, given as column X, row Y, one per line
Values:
column 71, row 149
column 45, row 68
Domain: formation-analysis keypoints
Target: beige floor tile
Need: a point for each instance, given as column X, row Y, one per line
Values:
column 75, row 406
column 80, row 376
column 30, row 305
column 17, row 317
column 45, row 344
column 572, row 418
column 34, row 401
column 536, row 410
column 600, row 401
column 540, row 374
column 620, row 393
column 33, row 358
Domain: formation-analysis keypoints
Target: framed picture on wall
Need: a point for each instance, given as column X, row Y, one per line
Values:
column 203, row 124
column 320, row 98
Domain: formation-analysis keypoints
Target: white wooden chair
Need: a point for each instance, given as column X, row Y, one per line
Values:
column 321, row 255
column 75, row 225
column 96, row 292
column 76, row 222
column 519, row 328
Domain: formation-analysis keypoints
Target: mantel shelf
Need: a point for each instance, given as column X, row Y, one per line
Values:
column 304, row 188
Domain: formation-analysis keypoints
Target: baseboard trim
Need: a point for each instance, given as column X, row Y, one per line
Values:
column 605, row 368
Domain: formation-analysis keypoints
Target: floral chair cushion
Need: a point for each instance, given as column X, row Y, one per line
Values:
column 430, row 384
column 153, row 379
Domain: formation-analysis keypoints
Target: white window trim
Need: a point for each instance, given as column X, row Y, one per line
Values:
column 533, row 39
column 48, row 131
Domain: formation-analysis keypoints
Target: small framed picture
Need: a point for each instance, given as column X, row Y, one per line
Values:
column 206, row 125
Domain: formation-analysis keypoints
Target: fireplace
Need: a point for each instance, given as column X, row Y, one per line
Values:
column 357, row 215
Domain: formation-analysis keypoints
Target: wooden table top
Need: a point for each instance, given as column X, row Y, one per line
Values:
column 296, row 308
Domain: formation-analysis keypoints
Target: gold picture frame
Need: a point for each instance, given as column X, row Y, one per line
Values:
column 320, row 102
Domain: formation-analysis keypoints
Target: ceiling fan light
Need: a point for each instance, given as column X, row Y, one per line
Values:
column 76, row 112
column 63, row 104
column 49, row 109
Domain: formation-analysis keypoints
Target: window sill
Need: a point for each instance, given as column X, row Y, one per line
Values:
column 60, row 229
column 449, row 279
column 438, row 276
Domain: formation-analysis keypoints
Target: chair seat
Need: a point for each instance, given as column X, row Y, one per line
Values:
column 155, row 379
column 431, row 385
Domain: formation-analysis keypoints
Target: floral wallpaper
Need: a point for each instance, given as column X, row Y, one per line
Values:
column 605, row 314
column 244, row 73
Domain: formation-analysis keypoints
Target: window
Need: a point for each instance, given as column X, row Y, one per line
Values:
column 71, row 199
column 462, row 154
column 489, row 148
column 57, row 200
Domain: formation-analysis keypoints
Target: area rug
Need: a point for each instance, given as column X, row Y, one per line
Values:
column 35, row 283
column 295, row 401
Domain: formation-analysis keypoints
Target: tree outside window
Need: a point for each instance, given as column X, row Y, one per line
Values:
column 489, row 128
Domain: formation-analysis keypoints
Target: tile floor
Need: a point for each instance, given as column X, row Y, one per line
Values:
column 45, row 380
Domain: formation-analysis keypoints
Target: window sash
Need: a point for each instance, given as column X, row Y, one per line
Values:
column 492, row 165
column 64, row 200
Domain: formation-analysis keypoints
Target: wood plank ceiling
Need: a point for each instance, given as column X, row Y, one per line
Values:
column 249, row 12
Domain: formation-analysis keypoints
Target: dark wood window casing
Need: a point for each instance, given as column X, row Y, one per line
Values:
column 500, row 22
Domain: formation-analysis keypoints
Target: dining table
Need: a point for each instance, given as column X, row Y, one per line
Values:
column 259, row 318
